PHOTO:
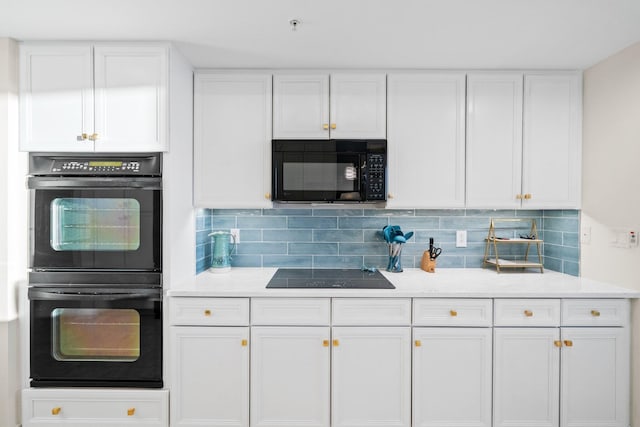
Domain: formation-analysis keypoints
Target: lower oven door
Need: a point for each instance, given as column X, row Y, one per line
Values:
column 95, row 337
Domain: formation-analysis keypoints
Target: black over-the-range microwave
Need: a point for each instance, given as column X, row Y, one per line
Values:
column 329, row 170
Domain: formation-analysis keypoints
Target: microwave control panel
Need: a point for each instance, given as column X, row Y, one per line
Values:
column 376, row 180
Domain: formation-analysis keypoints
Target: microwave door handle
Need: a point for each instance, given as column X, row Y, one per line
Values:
column 40, row 183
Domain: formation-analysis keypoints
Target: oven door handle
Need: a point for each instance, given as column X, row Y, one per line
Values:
column 47, row 183
column 43, row 295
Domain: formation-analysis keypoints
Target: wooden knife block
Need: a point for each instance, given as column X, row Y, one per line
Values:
column 428, row 264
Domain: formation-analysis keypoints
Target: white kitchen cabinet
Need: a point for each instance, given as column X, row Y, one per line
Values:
column 94, row 97
column 56, row 97
column 301, row 106
column 494, row 140
column 322, row 106
column 595, row 372
column 209, row 364
column 290, row 311
column 131, row 98
column 314, row 375
column 526, row 377
column 421, row 362
column 524, row 140
column 232, row 140
column 426, row 140
column 371, row 311
column 209, row 311
column 290, row 362
column 290, row 373
column 452, row 377
column 573, row 373
column 94, row 407
column 552, row 135
column 210, row 376
column 371, row 376
column 526, row 362
column 595, row 377
column 476, row 312
column 358, row 106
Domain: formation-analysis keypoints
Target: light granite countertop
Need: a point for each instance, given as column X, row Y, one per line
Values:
column 444, row 283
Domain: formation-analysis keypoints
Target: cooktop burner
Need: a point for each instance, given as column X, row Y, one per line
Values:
column 328, row 278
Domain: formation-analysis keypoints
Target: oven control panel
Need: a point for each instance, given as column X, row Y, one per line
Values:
column 93, row 166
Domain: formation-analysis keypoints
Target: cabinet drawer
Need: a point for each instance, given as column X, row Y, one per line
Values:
column 595, row 312
column 82, row 407
column 527, row 312
column 371, row 311
column 452, row 312
column 290, row 311
column 209, row 311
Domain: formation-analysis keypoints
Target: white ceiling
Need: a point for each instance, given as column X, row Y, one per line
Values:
column 345, row 33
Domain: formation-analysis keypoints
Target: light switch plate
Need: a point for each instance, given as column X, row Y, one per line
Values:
column 624, row 239
column 461, row 238
column 235, row 232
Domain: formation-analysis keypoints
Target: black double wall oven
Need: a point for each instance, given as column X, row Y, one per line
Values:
column 95, row 280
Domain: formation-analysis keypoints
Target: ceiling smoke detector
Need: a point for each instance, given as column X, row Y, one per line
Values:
column 295, row 23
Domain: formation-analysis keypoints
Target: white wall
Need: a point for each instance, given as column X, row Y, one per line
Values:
column 611, row 181
column 13, row 226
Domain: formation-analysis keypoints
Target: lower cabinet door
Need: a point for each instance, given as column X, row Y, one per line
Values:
column 452, row 377
column 595, row 377
column 526, row 377
column 371, row 376
column 290, row 376
column 210, row 376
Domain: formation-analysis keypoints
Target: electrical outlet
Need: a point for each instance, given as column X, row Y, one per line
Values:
column 585, row 235
column 461, row 239
column 235, row 232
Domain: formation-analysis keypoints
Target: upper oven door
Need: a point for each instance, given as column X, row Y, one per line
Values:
column 80, row 224
column 317, row 176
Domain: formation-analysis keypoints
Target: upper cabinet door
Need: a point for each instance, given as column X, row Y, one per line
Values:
column 358, row 106
column 494, row 140
column 301, row 106
column 131, row 98
column 232, row 140
column 552, row 140
column 426, row 140
column 56, row 98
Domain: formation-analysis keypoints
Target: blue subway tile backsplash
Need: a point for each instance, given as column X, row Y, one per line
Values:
column 351, row 238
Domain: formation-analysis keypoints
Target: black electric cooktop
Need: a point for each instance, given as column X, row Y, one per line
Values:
column 297, row 278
